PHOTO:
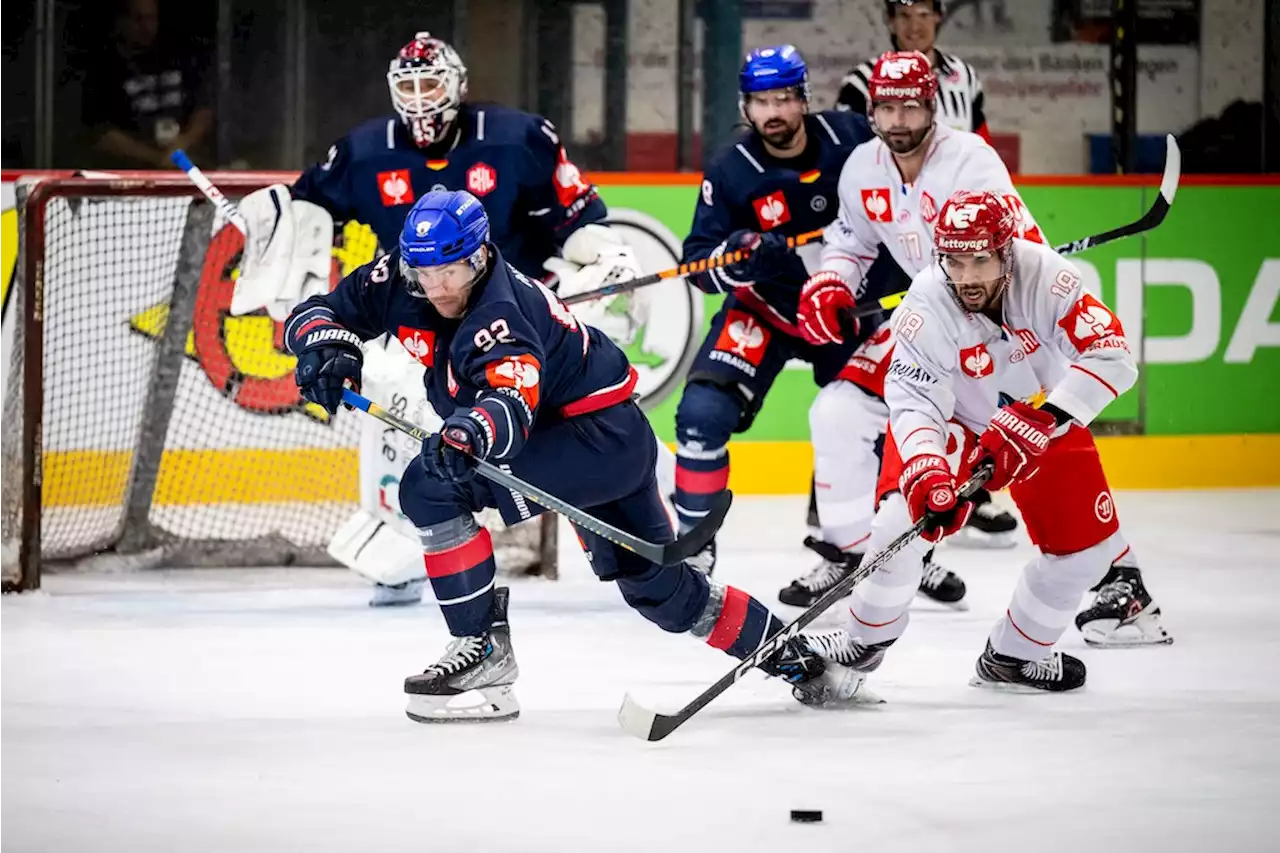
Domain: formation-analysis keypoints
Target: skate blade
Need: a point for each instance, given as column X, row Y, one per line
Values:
column 1012, row 687
column 840, row 688
column 490, row 705
column 1144, row 630
column 968, row 537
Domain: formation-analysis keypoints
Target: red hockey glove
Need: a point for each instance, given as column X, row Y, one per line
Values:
column 825, row 301
column 930, row 490
column 1013, row 442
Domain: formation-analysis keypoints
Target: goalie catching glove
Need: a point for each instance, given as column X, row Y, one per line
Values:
column 288, row 246
column 592, row 257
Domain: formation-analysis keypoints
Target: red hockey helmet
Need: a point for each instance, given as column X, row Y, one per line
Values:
column 428, row 83
column 902, row 76
column 973, row 221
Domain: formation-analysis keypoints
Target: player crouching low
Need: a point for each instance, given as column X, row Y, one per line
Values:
column 520, row 382
column 996, row 326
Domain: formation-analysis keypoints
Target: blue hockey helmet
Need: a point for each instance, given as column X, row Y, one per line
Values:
column 777, row 67
column 443, row 227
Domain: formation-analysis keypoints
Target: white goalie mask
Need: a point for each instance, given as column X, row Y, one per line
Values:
column 428, row 84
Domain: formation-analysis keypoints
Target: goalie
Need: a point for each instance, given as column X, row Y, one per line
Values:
column 545, row 218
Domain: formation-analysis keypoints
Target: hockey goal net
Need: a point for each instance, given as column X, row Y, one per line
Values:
column 143, row 423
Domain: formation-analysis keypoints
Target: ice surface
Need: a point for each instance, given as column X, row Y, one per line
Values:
column 262, row 710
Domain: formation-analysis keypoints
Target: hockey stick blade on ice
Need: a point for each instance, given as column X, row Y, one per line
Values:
column 645, row 724
column 682, row 271
column 665, row 554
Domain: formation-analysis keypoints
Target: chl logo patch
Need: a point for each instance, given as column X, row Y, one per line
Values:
column 877, row 205
column 772, row 210
column 976, row 361
column 419, row 343
column 394, row 187
column 482, row 179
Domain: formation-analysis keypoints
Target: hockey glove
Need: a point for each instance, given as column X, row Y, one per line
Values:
column 1013, row 442
column 766, row 252
column 330, row 357
column 451, row 453
column 825, row 305
column 930, row 491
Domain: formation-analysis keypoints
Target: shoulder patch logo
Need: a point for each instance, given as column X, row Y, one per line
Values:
column 1091, row 325
column 419, row 343
column 771, row 210
column 877, row 205
column 706, row 193
column 976, row 362
column 520, row 372
column 394, row 187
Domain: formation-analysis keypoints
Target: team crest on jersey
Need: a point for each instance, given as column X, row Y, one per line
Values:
column 395, row 188
column 742, row 342
column 928, row 208
column 419, row 343
column 521, row 373
column 976, row 361
column 1090, row 325
column 877, row 205
column 482, row 179
column 569, row 183
column 772, row 210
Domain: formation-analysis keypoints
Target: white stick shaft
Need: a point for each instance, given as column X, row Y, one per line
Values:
column 226, row 208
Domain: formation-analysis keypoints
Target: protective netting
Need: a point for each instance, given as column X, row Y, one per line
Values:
column 171, row 429
column 189, row 439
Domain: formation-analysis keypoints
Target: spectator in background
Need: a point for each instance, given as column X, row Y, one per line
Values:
column 147, row 97
column 913, row 25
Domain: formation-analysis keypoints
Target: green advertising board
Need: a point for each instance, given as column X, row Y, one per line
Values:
column 1202, row 290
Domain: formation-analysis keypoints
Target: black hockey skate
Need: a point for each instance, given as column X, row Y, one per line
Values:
column 1055, row 673
column 942, row 585
column 809, row 587
column 482, row 666
column 988, row 526
column 1122, row 613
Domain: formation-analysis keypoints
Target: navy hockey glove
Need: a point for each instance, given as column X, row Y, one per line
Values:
column 330, row 356
column 767, row 252
column 451, row 453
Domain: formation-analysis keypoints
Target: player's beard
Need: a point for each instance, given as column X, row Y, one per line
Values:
column 778, row 133
column 904, row 142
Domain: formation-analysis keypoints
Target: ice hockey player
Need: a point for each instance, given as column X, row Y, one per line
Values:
column 891, row 191
column 1002, row 359
column 543, row 212
column 913, row 25
column 776, row 180
column 519, row 382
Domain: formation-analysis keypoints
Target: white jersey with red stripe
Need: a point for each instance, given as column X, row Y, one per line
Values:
column 877, row 207
column 1057, row 344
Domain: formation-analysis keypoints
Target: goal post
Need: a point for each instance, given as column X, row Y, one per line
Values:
column 143, row 424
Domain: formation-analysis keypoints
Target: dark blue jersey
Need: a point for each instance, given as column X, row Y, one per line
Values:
column 517, row 351
column 746, row 188
column 512, row 161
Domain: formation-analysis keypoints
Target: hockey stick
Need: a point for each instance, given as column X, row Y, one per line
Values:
column 640, row 722
column 1152, row 218
column 228, row 210
column 691, row 268
column 668, row 554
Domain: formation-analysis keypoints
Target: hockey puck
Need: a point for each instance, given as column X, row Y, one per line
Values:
column 803, row 816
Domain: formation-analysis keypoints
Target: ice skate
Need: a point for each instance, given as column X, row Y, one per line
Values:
column 809, row 587
column 842, row 683
column 988, row 527
column 942, row 585
column 473, row 681
column 1122, row 613
column 1055, row 673
column 409, row 592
